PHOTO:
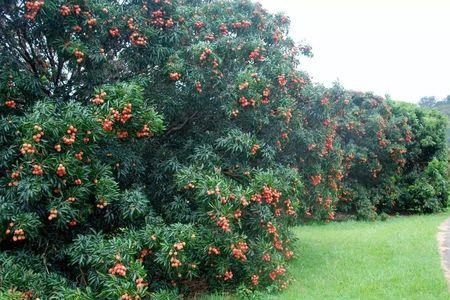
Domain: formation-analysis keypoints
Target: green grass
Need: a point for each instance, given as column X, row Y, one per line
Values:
column 396, row 259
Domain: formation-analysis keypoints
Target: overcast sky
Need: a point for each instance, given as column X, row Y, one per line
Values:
column 395, row 47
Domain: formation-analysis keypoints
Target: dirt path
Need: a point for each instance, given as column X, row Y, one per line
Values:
column 443, row 238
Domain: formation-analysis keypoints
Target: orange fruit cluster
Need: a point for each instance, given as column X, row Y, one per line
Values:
column 71, row 131
column 64, row 10
column 10, row 104
column 118, row 269
column 37, row 170
column 61, row 170
column 224, row 224
column 53, row 214
column 175, row 76
column 79, row 55
column 99, row 98
column 27, row 149
column 32, row 8
column 19, row 235
column 255, row 149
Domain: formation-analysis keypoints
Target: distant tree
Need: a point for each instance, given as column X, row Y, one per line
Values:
column 446, row 99
column 429, row 101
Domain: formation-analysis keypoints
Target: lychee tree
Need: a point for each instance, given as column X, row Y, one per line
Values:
column 103, row 198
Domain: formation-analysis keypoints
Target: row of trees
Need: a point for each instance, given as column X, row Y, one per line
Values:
column 156, row 148
column 432, row 101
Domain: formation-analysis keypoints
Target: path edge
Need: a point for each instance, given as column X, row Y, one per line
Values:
column 441, row 239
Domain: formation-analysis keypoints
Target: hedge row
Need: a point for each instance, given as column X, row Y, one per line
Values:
column 154, row 149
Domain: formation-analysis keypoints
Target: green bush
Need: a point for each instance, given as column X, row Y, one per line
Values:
column 162, row 148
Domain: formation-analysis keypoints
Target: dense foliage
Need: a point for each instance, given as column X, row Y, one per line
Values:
column 157, row 148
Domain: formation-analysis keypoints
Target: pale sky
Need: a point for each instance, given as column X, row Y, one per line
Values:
column 395, row 47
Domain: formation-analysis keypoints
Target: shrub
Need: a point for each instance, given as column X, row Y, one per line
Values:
column 103, row 198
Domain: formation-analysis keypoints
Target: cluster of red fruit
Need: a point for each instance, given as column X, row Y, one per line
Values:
column 15, row 177
column 102, row 203
column 288, row 254
column 77, row 28
column 53, row 214
column 140, row 283
column 37, row 137
column 244, row 102
column 79, row 55
column 324, row 101
column 255, row 149
column 290, row 211
column 329, row 142
column 64, row 10
column 144, row 132
column 122, row 134
column 61, row 170
column 114, row 32
column 255, row 280
column 271, row 195
column 126, row 296
column 223, row 29
column 189, row 186
column 107, row 125
column 271, row 229
column 210, row 37
column 242, row 24
column 277, row 242
column 27, row 149
column 175, row 76
column 239, row 250
column 118, row 269
column 213, row 250
column 277, row 272
column 256, row 198
column 408, row 137
column 265, row 93
column 205, row 53
column 159, row 21
column 199, row 24
column 287, row 116
column 256, row 55
column 282, row 81
column 10, row 103
column 19, row 235
column 79, row 155
column 99, row 98
column 224, row 224
column 91, row 22
column 37, row 170
column 382, row 142
column 316, row 179
column 244, row 85
column 125, row 115
column 277, row 36
column 137, row 39
column 32, row 8
column 227, row 276
column 143, row 253
column 174, row 261
column 69, row 140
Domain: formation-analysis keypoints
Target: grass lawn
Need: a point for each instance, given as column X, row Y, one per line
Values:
column 396, row 259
